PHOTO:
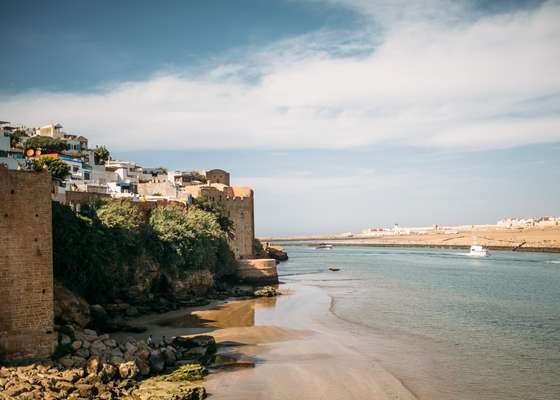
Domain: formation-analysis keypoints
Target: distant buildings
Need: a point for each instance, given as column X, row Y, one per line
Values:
column 122, row 178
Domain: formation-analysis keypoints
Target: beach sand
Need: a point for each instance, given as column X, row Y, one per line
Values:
column 298, row 348
column 533, row 239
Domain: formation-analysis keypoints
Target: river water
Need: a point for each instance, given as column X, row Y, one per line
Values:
column 448, row 325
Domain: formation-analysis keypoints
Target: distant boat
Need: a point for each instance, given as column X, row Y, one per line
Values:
column 478, row 251
column 334, row 269
column 324, row 246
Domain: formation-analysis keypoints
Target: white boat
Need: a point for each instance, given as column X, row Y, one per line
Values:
column 324, row 246
column 478, row 251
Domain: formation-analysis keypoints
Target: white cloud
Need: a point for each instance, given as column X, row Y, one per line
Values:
column 470, row 85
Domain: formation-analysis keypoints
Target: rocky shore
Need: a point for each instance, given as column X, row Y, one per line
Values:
column 89, row 364
column 98, row 367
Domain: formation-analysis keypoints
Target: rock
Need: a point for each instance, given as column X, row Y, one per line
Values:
column 76, row 345
column 143, row 367
column 117, row 353
column 130, row 347
column 16, row 390
column 143, row 353
column 187, row 372
column 65, row 340
column 65, row 386
column 277, row 253
column 70, row 307
column 196, row 351
column 157, row 362
column 110, row 343
column 84, row 353
column 86, row 390
column 72, row 375
column 66, row 361
column 98, row 314
column 129, row 356
column 79, row 362
column 107, row 372
column 195, row 341
column 168, row 354
column 97, row 348
column 117, row 360
column 93, row 365
column 267, row 291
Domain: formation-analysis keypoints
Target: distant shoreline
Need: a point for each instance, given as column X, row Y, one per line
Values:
column 313, row 243
column 546, row 240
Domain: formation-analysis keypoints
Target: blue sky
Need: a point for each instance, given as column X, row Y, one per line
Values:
column 342, row 114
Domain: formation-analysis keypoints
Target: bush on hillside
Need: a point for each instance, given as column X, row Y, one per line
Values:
column 96, row 252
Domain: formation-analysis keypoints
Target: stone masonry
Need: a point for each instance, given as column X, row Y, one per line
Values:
column 26, row 267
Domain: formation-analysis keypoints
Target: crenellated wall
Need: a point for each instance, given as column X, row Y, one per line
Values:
column 26, row 268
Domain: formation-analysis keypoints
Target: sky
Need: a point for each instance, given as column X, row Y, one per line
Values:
column 341, row 114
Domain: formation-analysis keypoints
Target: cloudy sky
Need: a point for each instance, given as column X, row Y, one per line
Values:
column 341, row 114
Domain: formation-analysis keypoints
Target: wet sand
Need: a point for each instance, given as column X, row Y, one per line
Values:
column 299, row 349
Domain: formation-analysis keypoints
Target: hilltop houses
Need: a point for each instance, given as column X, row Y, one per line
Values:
column 90, row 178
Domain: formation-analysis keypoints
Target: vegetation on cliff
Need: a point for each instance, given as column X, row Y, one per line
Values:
column 113, row 246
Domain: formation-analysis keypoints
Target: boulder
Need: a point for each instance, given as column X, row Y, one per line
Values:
column 84, row 353
column 143, row 367
column 93, row 365
column 128, row 370
column 107, row 372
column 69, row 307
column 98, row 348
column 99, row 315
column 86, row 390
column 76, row 345
column 157, row 362
column 65, row 340
column 66, row 361
column 195, row 341
column 169, row 356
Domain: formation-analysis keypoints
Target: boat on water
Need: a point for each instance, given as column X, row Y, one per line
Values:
column 324, row 246
column 334, row 269
column 478, row 251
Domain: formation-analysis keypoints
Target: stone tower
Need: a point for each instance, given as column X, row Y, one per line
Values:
column 26, row 267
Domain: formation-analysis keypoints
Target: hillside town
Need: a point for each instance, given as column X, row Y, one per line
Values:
column 92, row 174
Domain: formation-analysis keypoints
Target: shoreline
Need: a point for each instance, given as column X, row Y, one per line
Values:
column 542, row 240
column 291, row 346
column 336, row 242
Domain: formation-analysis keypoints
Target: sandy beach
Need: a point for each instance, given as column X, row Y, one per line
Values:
column 294, row 348
column 527, row 239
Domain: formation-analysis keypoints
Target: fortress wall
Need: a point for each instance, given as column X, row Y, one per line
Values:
column 26, row 269
column 240, row 210
column 259, row 271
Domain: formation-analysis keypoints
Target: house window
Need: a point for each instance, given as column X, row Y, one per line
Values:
column 75, row 169
column 86, row 176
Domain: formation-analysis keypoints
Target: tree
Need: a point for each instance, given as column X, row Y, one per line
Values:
column 120, row 213
column 198, row 177
column 16, row 136
column 46, row 143
column 56, row 167
column 226, row 224
column 101, row 155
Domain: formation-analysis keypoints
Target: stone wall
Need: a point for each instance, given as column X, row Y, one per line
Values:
column 260, row 271
column 240, row 211
column 26, row 269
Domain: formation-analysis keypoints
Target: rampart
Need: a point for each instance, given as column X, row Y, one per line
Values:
column 261, row 271
column 26, row 268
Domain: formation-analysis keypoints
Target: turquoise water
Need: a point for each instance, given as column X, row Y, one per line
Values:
column 450, row 326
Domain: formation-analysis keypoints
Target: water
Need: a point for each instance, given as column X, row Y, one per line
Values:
column 450, row 326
